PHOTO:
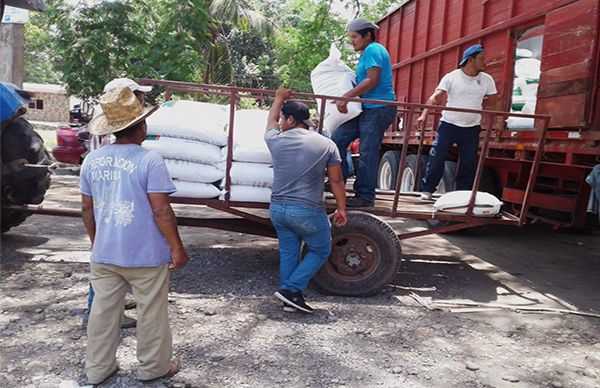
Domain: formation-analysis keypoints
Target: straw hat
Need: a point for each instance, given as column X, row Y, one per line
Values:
column 120, row 110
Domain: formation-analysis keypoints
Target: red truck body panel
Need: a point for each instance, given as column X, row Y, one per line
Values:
column 426, row 38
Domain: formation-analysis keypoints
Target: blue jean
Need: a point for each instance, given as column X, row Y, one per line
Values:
column 294, row 224
column 370, row 127
column 467, row 140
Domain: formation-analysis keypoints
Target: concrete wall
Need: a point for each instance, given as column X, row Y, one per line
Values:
column 55, row 108
column 12, row 38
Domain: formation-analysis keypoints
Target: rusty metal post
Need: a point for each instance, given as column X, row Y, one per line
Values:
column 406, row 133
column 232, row 98
column 322, row 115
column 533, row 173
column 419, row 151
column 480, row 167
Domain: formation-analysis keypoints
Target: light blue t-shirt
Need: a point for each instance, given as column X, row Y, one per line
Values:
column 375, row 55
column 119, row 177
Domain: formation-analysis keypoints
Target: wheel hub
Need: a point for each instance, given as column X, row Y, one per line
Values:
column 354, row 256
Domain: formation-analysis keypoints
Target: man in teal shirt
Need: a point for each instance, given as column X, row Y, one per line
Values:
column 374, row 82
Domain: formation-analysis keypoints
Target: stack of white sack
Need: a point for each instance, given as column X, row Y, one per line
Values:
column 525, row 89
column 190, row 136
column 333, row 77
column 251, row 169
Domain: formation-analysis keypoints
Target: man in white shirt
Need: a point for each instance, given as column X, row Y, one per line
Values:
column 466, row 87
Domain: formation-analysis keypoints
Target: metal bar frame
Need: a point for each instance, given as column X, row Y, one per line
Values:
column 253, row 224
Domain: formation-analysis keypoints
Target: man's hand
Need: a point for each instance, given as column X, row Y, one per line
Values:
column 178, row 258
column 420, row 121
column 284, row 94
column 339, row 218
column 342, row 106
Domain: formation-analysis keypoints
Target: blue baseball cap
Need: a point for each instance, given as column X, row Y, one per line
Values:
column 470, row 52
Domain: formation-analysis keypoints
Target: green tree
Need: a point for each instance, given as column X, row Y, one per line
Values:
column 38, row 52
column 240, row 36
column 308, row 30
column 138, row 38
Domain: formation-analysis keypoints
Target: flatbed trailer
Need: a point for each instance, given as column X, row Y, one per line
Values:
column 366, row 252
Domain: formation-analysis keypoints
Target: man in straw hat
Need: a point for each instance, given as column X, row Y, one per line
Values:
column 97, row 141
column 133, row 230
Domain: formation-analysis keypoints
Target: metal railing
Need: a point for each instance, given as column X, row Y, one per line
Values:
column 409, row 110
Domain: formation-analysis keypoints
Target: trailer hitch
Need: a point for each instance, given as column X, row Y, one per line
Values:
column 19, row 165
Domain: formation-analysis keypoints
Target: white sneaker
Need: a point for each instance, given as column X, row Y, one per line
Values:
column 289, row 309
column 425, row 196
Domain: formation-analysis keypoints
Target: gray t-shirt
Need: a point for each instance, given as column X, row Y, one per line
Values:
column 300, row 158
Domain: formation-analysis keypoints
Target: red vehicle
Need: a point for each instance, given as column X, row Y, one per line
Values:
column 72, row 140
column 425, row 39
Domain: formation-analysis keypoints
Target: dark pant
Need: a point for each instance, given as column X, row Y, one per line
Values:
column 467, row 140
column 370, row 127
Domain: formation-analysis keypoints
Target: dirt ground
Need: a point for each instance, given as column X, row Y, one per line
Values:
column 432, row 327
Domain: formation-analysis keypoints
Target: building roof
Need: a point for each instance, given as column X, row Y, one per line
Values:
column 44, row 88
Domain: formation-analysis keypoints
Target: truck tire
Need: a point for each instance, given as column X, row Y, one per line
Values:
column 20, row 141
column 388, row 170
column 407, row 179
column 366, row 256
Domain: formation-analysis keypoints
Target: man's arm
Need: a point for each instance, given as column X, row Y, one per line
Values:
column 87, row 214
column 167, row 224
column 433, row 100
column 334, row 173
column 367, row 84
column 280, row 96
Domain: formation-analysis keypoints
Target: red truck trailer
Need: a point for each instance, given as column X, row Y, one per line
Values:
column 559, row 40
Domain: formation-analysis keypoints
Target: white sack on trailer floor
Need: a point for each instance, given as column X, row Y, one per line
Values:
column 333, row 77
column 249, row 136
column 192, row 120
column 195, row 190
column 195, row 172
column 458, row 202
column 251, row 174
column 241, row 193
column 184, row 149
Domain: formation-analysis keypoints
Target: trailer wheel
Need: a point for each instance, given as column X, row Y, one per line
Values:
column 20, row 141
column 366, row 256
column 388, row 170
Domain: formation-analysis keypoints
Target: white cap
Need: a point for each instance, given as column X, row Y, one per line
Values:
column 119, row 83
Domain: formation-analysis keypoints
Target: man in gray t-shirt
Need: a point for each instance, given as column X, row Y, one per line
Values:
column 301, row 158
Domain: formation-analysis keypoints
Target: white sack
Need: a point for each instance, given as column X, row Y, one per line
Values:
column 249, row 136
column 195, row 172
column 529, row 107
column 458, row 202
column 524, row 53
column 333, row 77
column 183, row 149
column 518, row 102
column 191, row 120
column 526, row 67
column 251, row 174
column 530, row 90
column 520, row 123
column 240, row 193
column 195, row 190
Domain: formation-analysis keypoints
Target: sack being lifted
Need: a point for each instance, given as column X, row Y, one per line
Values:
column 333, row 77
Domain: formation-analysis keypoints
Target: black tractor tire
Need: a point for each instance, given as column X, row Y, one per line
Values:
column 366, row 256
column 388, row 170
column 20, row 141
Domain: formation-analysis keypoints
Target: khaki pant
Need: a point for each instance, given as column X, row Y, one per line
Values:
column 150, row 288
